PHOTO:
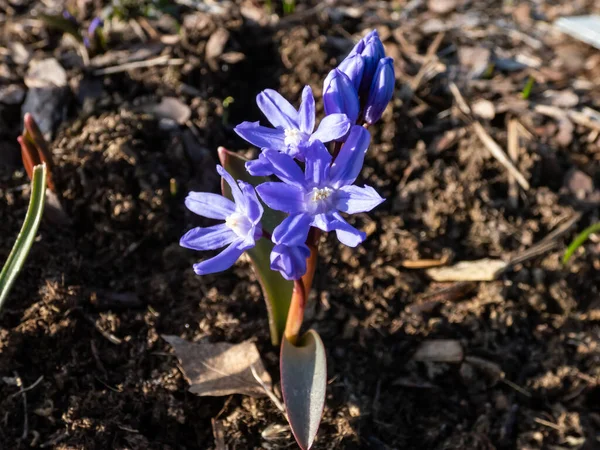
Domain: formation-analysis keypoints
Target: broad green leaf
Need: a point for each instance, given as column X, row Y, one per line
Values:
column 579, row 240
column 26, row 236
column 303, row 383
column 276, row 289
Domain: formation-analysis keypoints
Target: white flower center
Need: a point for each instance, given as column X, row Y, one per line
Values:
column 318, row 195
column 319, row 200
column 293, row 137
column 239, row 223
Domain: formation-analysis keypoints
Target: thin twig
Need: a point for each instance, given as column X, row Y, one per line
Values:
column 300, row 15
column 497, row 153
column 487, row 140
column 545, row 245
column 158, row 61
column 513, row 154
column 24, row 397
column 546, row 423
column 268, row 391
column 109, row 336
column 38, row 381
column 430, row 60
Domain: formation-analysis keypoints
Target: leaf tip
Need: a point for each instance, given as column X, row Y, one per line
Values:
column 223, row 154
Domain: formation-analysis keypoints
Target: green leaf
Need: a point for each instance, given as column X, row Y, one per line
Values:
column 20, row 250
column 526, row 92
column 579, row 241
column 276, row 289
column 303, row 383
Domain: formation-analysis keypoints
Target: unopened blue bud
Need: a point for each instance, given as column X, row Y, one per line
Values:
column 371, row 54
column 96, row 24
column 353, row 66
column 339, row 95
column 67, row 15
column 381, row 91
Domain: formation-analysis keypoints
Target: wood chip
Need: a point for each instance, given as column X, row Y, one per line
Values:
column 46, row 73
column 424, row 263
column 216, row 43
column 170, row 108
column 479, row 270
column 484, row 109
column 439, row 350
column 221, row 368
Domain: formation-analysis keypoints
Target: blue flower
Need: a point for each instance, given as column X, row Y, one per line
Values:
column 240, row 231
column 317, row 196
column 382, row 89
column 361, row 63
column 340, row 96
column 294, row 130
column 96, row 24
column 290, row 260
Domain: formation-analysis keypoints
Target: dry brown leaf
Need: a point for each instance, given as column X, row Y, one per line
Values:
column 221, row 368
column 439, row 350
column 479, row 270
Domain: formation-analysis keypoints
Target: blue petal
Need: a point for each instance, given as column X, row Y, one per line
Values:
column 238, row 197
column 260, row 167
column 277, row 109
column 220, row 262
column 282, row 197
column 306, row 113
column 260, row 136
column 325, row 222
column 318, row 161
column 353, row 66
column 332, row 128
column 254, row 210
column 209, row 205
column 339, row 95
column 208, row 238
column 372, row 53
column 285, row 168
column 349, row 162
column 293, row 230
column 290, row 261
column 382, row 89
column 353, row 199
column 346, row 233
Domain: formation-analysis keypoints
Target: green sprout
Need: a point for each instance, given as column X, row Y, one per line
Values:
column 527, row 89
column 289, row 6
column 226, row 102
column 580, row 240
column 489, row 71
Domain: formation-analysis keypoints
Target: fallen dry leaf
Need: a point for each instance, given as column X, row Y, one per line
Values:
column 479, row 270
column 439, row 350
column 221, row 368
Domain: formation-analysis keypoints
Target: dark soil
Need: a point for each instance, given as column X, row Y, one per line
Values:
column 88, row 310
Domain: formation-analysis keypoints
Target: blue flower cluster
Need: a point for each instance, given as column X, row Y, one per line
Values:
column 315, row 186
column 95, row 27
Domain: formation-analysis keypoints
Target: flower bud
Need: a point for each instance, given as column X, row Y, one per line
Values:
column 339, row 95
column 371, row 54
column 353, row 66
column 381, row 91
